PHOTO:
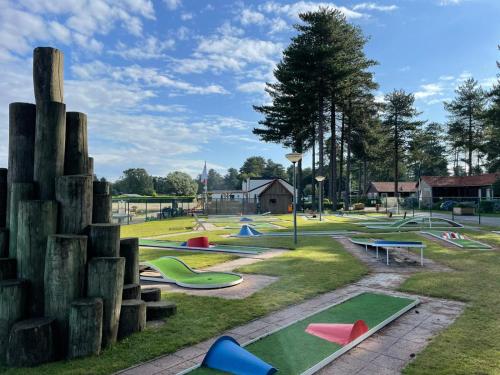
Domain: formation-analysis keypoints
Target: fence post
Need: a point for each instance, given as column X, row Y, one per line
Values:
column 146, row 218
column 161, row 214
column 128, row 212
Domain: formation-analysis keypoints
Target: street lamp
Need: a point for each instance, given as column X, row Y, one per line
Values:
column 294, row 158
column 320, row 180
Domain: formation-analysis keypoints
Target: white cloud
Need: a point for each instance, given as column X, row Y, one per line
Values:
column 250, row 87
column 172, row 4
column 375, row 6
column 278, row 25
column 449, row 2
column 293, row 10
column 149, row 48
column 446, row 78
column 165, row 108
column 429, row 90
column 249, row 16
column 186, row 16
column 183, row 33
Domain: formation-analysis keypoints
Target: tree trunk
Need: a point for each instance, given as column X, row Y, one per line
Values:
column 333, row 157
column 160, row 310
column 8, row 268
column 49, row 146
column 321, row 137
column 396, row 155
column 13, row 294
column 64, row 281
column 105, row 280
column 347, row 190
column 129, row 249
column 37, row 220
column 3, row 197
column 31, row 342
column 4, row 242
column 341, row 163
column 19, row 191
column 313, row 177
column 151, row 294
column 104, row 240
column 469, row 142
column 102, row 203
column 85, row 327
column 132, row 317
column 74, row 195
column 76, row 157
column 48, row 79
column 131, row 291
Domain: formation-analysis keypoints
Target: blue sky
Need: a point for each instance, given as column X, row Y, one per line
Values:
column 167, row 84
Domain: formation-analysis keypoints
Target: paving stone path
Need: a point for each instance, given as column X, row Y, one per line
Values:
column 386, row 352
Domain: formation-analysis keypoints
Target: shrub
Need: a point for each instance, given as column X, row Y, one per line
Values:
column 487, row 206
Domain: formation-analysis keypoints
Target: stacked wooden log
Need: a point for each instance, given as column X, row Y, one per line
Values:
column 68, row 285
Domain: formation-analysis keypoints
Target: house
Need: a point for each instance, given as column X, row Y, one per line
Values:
column 275, row 197
column 456, row 187
column 386, row 189
column 226, row 194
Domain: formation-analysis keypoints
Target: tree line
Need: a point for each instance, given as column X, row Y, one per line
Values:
column 323, row 101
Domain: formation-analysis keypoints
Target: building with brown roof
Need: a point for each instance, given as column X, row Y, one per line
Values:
column 386, row 189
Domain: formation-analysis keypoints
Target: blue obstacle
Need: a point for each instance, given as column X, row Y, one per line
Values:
column 248, row 231
column 245, row 219
column 255, row 232
column 227, row 355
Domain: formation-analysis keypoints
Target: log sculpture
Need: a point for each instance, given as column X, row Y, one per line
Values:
column 85, row 327
column 131, row 291
column 151, row 294
column 13, row 294
column 76, row 157
column 104, row 240
column 129, row 249
column 160, row 310
column 132, row 317
column 3, row 197
column 48, row 70
column 105, row 280
column 102, row 203
column 8, row 268
column 4, row 242
column 19, row 191
column 74, row 195
column 37, row 220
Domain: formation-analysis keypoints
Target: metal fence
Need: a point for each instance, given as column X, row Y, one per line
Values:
column 235, row 206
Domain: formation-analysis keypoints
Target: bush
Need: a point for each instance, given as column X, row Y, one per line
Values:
column 487, row 206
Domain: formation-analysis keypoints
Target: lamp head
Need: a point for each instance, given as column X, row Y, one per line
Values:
column 294, row 157
column 320, row 178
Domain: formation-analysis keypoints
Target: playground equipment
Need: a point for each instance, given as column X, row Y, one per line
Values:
column 174, row 270
column 457, row 239
column 293, row 351
column 162, row 244
column 389, row 245
column 417, row 222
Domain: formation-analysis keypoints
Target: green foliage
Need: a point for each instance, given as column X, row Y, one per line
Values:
column 180, row 183
column 134, row 181
column 253, row 167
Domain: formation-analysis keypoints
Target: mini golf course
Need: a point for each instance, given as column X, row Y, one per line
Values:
column 248, row 231
column 292, row 350
column 417, row 222
column 389, row 245
column 162, row 244
column 174, row 270
column 458, row 240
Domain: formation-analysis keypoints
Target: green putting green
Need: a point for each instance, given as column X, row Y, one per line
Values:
column 173, row 270
column 293, row 351
column 466, row 243
column 417, row 222
column 220, row 248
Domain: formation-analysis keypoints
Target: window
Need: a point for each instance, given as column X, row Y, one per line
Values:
column 272, row 201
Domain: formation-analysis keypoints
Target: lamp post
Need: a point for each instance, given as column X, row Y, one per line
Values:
column 320, row 180
column 294, row 158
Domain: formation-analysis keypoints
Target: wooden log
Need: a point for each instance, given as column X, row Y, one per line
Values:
column 19, row 191
column 132, row 317
column 74, row 195
column 4, row 242
column 91, row 167
column 37, row 220
column 76, row 159
column 160, row 310
column 8, row 268
column 102, row 209
column 3, row 197
column 105, row 280
column 129, row 249
column 151, row 294
column 131, row 291
column 85, row 327
column 13, row 295
column 64, row 281
column 104, row 240
column 102, row 187
column 31, row 342
column 22, row 124
column 48, row 70
column 49, row 146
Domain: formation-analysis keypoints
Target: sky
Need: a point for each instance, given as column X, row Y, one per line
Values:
column 168, row 84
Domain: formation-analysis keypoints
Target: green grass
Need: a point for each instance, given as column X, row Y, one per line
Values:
column 293, row 351
column 193, row 259
column 317, row 266
column 154, row 228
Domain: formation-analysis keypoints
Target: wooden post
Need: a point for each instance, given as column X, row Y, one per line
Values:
column 160, row 310
column 22, row 123
column 19, row 191
column 8, row 268
column 4, row 242
column 132, row 317
column 48, row 70
column 64, row 281
column 3, row 197
column 104, row 240
column 131, row 291
column 85, row 327
column 91, row 166
column 105, row 280
column 31, row 342
column 151, row 294
column 129, row 249
column 76, row 159
column 50, row 141
column 13, row 295
column 74, row 195
column 102, row 205
column 37, row 220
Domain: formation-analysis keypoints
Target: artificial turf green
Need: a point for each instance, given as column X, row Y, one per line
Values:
column 292, row 351
column 225, row 248
column 461, row 242
column 178, row 272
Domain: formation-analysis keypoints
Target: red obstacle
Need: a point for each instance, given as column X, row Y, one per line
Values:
column 341, row 334
column 198, row 242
